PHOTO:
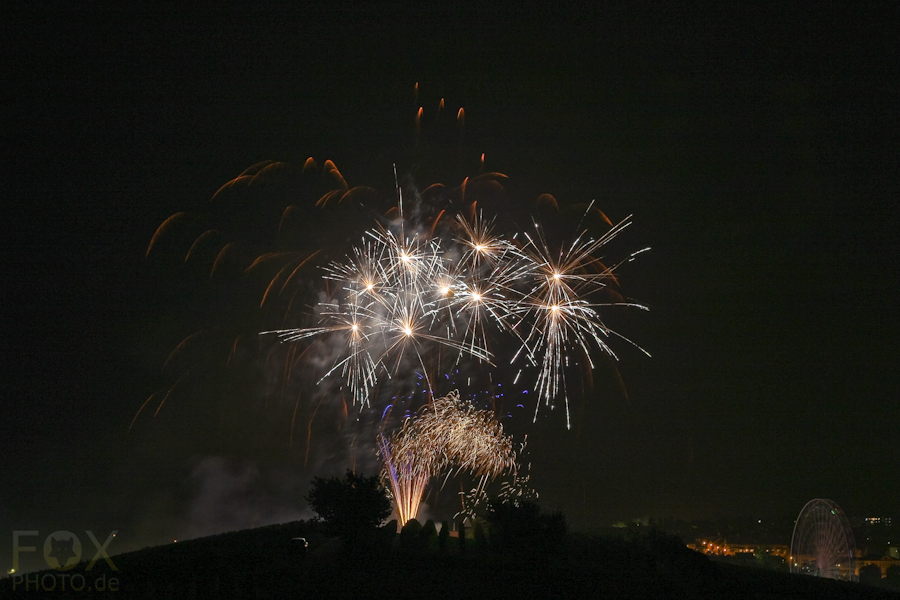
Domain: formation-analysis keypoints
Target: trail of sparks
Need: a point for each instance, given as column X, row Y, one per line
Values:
column 446, row 437
column 514, row 491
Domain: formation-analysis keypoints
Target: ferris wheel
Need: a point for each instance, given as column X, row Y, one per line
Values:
column 822, row 544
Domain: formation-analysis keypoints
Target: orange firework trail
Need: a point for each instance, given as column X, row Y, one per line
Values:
column 434, row 282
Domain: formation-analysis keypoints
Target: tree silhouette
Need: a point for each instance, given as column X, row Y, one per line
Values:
column 352, row 508
column 870, row 574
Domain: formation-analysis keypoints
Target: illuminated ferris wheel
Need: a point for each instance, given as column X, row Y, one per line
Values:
column 822, row 544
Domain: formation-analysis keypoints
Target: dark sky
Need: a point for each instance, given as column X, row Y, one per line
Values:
column 757, row 149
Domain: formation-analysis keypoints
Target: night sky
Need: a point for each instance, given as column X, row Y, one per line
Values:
column 757, row 150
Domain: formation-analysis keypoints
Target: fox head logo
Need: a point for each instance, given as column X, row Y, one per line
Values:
column 66, row 551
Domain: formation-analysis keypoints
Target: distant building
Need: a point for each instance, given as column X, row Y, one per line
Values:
column 882, row 563
column 885, row 521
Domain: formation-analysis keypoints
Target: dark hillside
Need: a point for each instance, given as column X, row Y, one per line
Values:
column 267, row 563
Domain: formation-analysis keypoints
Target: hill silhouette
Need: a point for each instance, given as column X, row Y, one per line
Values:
column 268, row 563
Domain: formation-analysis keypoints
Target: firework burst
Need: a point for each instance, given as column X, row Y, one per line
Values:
column 399, row 295
column 556, row 313
column 395, row 298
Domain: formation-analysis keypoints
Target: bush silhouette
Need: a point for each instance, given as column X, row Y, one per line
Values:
column 387, row 533
column 444, row 537
column 480, row 535
column 411, row 539
column 428, row 534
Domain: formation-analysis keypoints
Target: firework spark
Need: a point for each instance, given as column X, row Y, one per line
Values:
column 514, row 492
column 446, row 437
